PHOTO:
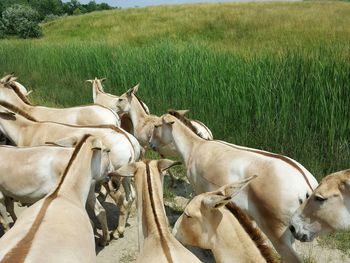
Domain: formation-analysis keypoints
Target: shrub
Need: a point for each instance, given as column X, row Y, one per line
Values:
column 50, row 17
column 77, row 11
column 2, row 29
column 22, row 21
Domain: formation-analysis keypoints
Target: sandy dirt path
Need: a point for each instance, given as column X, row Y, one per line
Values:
column 125, row 249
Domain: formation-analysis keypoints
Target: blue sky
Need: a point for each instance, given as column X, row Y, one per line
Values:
column 141, row 3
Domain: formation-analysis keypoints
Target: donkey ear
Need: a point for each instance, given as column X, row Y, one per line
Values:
column 127, row 170
column 65, row 142
column 164, row 164
column 230, row 190
column 28, row 93
column 136, row 88
column 215, row 201
column 346, row 184
column 103, row 79
column 166, row 120
column 89, row 81
column 182, row 112
column 133, row 90
column 6, row 78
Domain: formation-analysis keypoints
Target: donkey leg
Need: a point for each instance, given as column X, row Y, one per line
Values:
column 3, row 214
column 102, row 191
column 124, row 204
column 283, row 243
column 172, row 178
column 100, row 214
column 2, row 139
column 282, row 240
column 119, row 199
column 10, row 207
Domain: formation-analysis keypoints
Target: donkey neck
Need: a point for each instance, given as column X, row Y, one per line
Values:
column 152, row 214
column 184, row 139
column 16, row 129
column 137, row 112
column 13, row 98
column 97, row 89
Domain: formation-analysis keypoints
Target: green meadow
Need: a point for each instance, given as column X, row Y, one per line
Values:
column 273, row 76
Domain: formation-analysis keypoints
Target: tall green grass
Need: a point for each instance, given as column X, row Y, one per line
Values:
column 292, row 102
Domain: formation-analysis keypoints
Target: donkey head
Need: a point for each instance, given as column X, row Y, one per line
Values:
column 326, row 210
column 124, row 102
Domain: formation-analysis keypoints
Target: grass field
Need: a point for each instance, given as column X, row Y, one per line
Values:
column 273, row 76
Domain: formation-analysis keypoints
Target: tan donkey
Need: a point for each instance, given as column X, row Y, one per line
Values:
column 57, row 228
column 156, row 243
column 327, row 210
column 10, row 91
column 40, row 169
column 271, row 199
column 228, row 233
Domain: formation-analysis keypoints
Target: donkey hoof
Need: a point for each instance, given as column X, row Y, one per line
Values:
column 103, row 242
column 116, row 235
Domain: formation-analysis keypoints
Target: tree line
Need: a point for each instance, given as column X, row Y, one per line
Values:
column 22, row 17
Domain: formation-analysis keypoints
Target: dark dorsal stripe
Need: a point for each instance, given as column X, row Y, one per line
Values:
column 14, row 87
column 17, row 110
column 252, row 231
column 185, row 121
column 163, row 242
column 19, row 253
column 272, row 155
column 141, row 103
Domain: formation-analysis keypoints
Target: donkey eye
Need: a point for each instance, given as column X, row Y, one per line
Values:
column 120, row 100
column 319, row 198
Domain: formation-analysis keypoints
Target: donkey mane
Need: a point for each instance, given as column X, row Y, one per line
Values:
column 21, row 250
column 252, row 231
column 160, row 230
column 17, row 110
column 14, row 87
column 185, row 121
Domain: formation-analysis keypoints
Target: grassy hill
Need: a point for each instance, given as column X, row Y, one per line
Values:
column 268, row 75
column 235, row 26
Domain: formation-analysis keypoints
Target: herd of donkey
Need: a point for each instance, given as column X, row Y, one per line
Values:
column 62, row 161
